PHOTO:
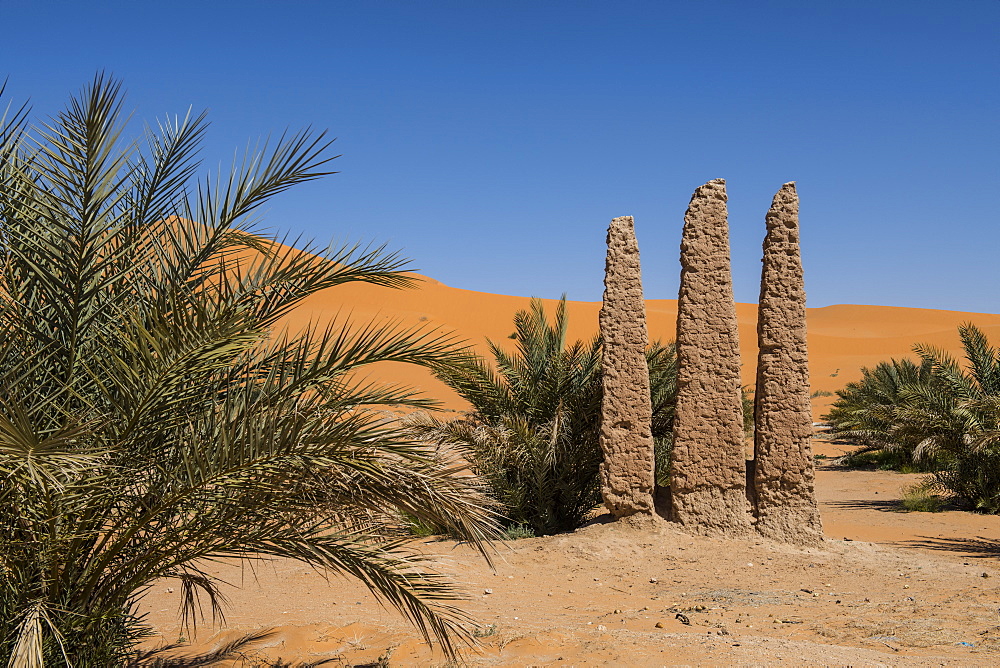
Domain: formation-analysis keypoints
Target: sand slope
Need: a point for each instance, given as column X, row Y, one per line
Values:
column 842, row 338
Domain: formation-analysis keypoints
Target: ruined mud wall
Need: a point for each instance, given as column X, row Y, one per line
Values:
column 708, row 482
column 626, row 415
column 783, row 485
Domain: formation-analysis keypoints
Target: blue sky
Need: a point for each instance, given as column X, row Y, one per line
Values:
column 493, row 141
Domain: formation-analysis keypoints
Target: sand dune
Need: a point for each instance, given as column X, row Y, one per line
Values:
column 842, row 338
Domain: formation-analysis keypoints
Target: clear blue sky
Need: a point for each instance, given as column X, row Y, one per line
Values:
column 493, row 141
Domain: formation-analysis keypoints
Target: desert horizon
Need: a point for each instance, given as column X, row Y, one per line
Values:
column 843, row 338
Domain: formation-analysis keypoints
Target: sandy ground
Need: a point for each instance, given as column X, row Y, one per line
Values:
column 887, row 588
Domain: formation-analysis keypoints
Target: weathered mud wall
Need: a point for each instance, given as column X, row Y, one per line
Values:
column 784, row 476
column 708, row 482
column 626, row 416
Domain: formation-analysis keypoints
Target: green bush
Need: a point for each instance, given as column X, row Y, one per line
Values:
column 885, row 460
column 974, row 479
column 518, row 532
column 532, row 433
column 868, row 413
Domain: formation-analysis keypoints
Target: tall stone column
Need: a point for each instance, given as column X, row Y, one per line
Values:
column 784, row 476
column 627, row 471
column 708, row 480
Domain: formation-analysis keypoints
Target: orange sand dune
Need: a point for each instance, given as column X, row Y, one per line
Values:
column 842, row 338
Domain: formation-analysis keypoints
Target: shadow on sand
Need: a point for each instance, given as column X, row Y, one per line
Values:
column 888, row 506
column 977, row 548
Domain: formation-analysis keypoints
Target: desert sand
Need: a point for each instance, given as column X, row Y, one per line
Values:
column 886, row 588
column 842, row 338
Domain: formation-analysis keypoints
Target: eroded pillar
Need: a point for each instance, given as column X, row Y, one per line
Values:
column 627, row 470
column 784, row 475
column 708, row 479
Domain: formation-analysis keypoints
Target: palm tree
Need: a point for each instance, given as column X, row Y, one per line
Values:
column 533, row 429
column 958, row 415
column 662, row 362
column 866, row 411
column 935, row 413
column 155, row 415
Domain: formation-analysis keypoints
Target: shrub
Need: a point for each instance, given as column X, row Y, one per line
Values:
column 867, row 412
column 885, row 460
column 518, row 532
column 974, row 479
column 532, row 432
column 485, row 631
column 922, row 498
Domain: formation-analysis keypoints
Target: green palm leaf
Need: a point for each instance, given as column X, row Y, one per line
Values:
column 154, row 420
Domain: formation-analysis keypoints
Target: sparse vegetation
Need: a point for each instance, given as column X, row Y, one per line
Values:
column 820, row 393
column 155, row 416
column 485, row 631
column 923, row 497
column 518, row 532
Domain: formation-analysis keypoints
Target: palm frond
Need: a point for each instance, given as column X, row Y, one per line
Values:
column 156, row 416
